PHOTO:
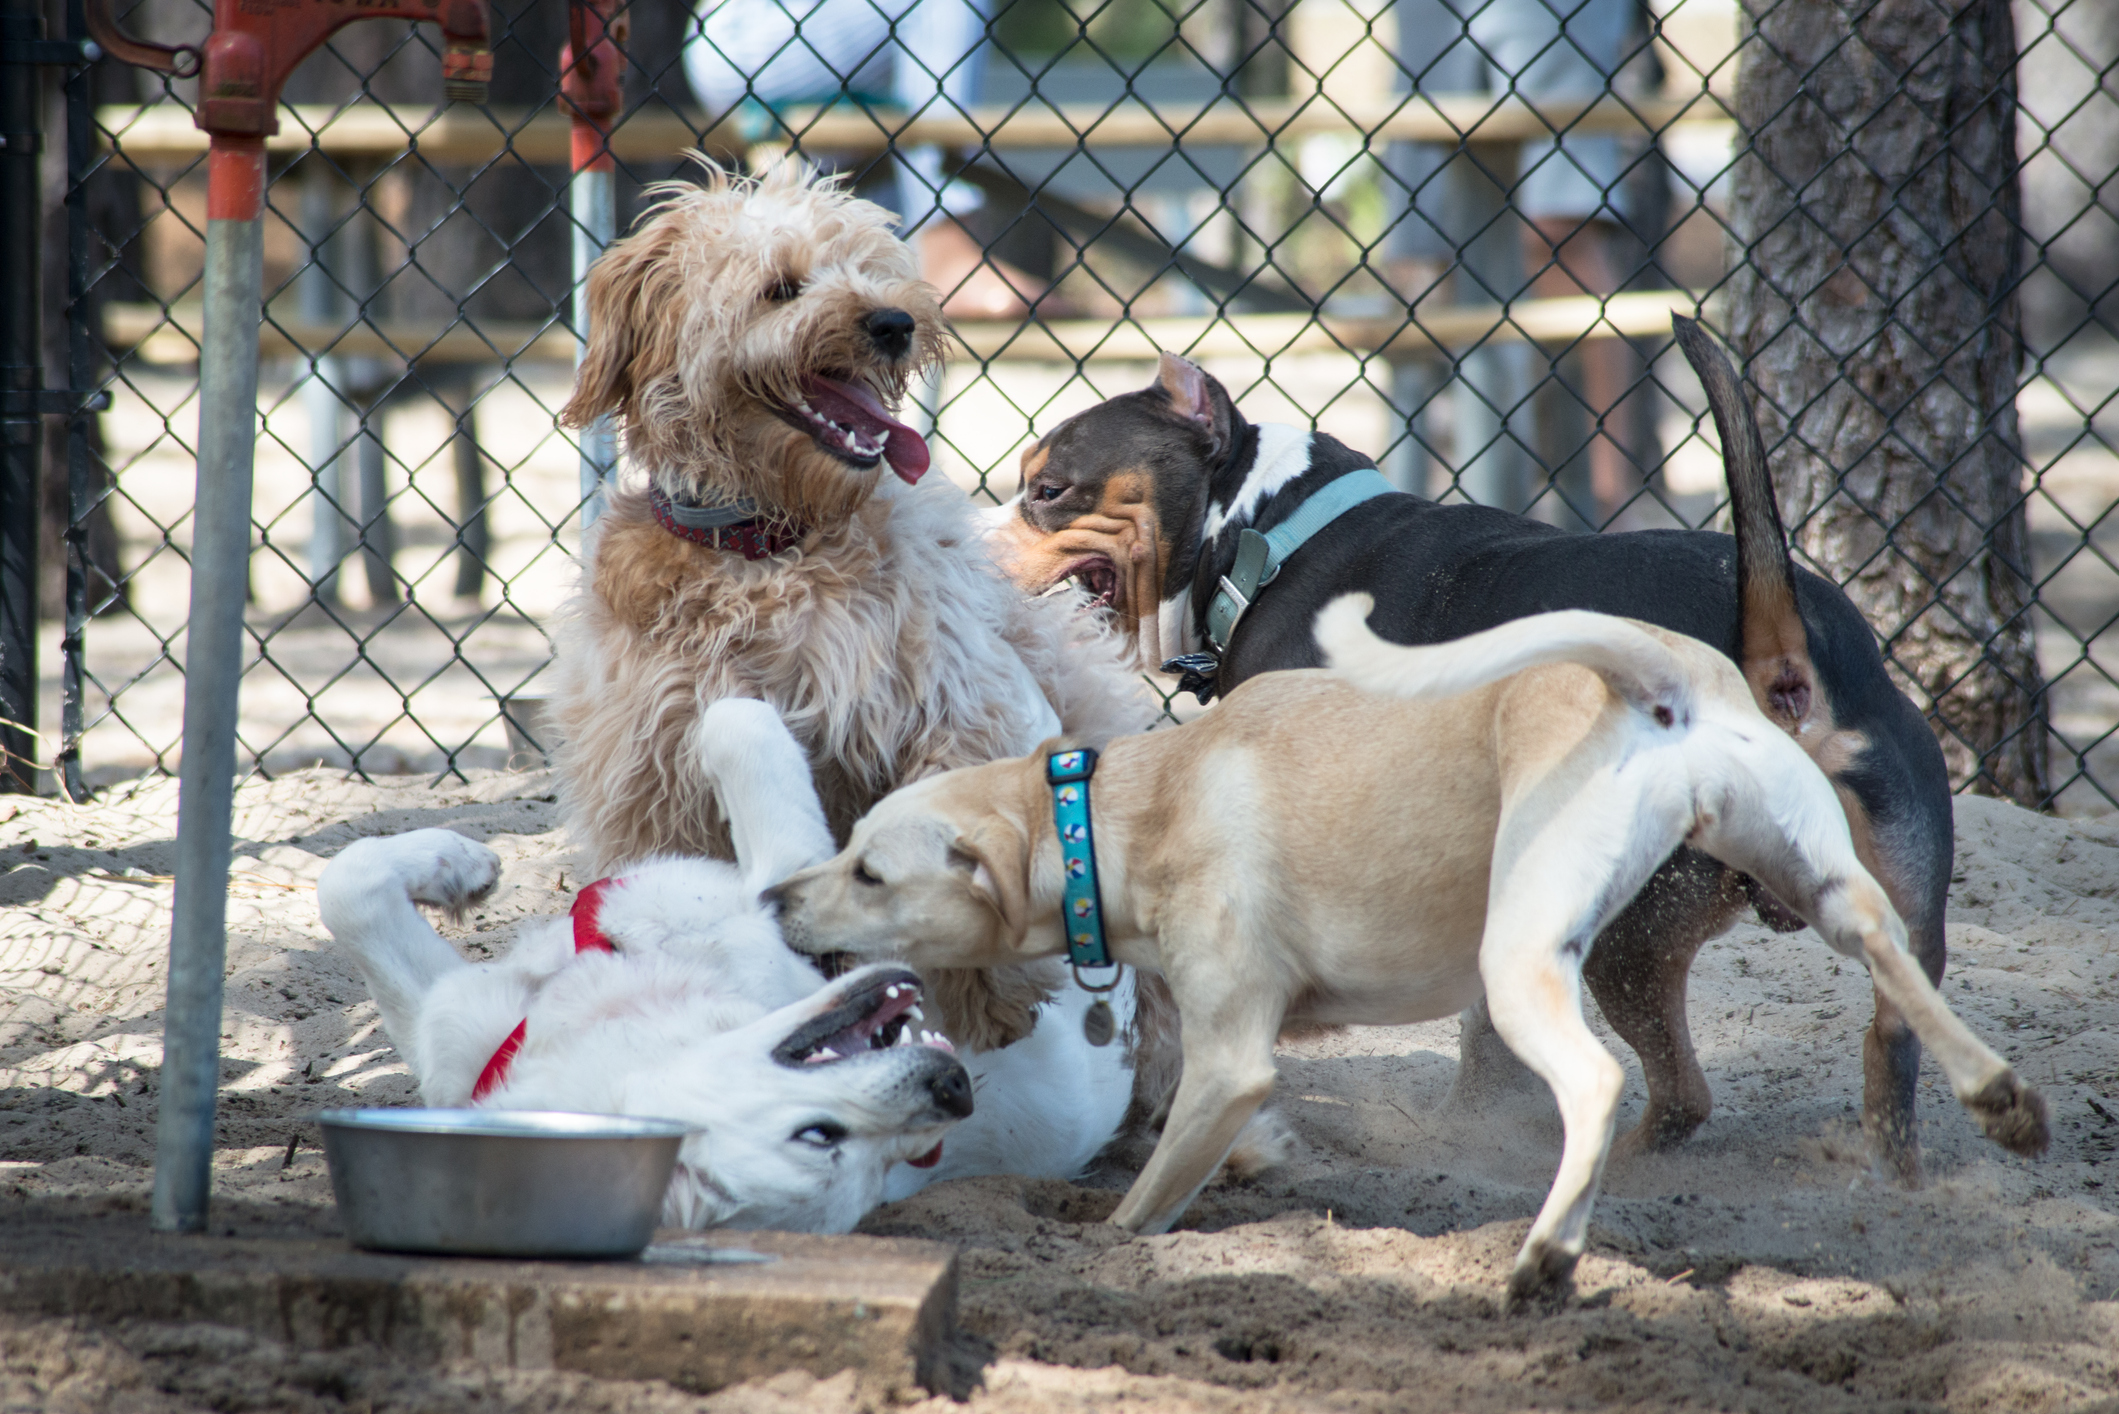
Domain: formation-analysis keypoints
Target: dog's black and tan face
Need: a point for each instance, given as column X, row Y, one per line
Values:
column 752, row 338
column 1113, row 498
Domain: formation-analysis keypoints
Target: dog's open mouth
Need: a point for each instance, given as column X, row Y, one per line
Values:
column 881, row 1016
column 1099, row 578
column 1096, row 576
column 847, row 420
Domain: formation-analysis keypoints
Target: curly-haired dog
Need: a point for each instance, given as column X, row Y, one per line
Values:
column 751, row 337
column 1455, row 819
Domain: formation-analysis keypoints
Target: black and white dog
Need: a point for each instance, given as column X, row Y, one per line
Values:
column 1144, row 499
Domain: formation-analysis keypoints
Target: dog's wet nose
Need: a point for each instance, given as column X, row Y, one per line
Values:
column 951, row 1088
column 891, row 329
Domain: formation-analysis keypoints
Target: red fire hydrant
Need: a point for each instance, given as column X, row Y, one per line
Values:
column 241, row 68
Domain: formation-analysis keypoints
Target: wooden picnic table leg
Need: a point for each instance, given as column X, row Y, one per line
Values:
column 457, row 389
column 370, row 382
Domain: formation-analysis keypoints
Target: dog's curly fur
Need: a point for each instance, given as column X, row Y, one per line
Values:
column 884, row 637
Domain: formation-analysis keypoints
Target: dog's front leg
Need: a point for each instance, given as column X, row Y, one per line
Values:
column 1230, row 1019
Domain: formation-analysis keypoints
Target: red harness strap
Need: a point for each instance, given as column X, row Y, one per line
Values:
column 588, row 931
column 496, row 1072
column 588, row 937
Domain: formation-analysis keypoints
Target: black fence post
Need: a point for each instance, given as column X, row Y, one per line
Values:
column 21, row 384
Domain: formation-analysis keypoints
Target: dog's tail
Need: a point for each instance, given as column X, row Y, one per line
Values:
column 1638, row 667
column 1775, row 653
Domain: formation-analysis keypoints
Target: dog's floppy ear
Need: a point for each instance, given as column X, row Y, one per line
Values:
column 763, row 780
column 995, row 861
column 1195, row 397
column 631, row 318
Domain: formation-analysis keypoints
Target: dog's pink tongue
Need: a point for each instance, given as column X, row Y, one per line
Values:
column 851, row 405
column 927, row 1160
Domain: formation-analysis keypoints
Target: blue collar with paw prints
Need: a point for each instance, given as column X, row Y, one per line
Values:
column 1082, row 907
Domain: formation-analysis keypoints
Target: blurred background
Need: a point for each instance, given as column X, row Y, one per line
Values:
column 1449, row 233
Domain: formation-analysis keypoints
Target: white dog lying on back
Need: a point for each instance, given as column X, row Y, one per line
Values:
column 669, row 993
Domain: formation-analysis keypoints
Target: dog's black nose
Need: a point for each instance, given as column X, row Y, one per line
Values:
column 891, row 329
column 951, row 1088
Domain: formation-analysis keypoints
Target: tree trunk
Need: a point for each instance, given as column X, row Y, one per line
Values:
column 1876, row 206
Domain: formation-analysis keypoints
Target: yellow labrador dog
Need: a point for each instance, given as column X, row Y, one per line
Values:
column 1377, row 845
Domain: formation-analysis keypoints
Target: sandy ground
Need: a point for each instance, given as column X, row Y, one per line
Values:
column 1757, row 1268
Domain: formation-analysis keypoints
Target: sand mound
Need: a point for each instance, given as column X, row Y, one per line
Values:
column 1758, row 1267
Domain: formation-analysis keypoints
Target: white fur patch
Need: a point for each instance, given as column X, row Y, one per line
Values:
column 1283, row 455
column 1178, row 634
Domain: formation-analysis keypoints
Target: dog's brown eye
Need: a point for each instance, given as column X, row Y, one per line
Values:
column 783, row 289
column 862, row 876
column 1050, row 492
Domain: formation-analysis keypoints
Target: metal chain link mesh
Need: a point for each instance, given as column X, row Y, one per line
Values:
column 1450, row 232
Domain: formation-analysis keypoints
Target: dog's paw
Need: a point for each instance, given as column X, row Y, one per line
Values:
column 1265, row 1141
column 1544, row 1273
column 439, row 868
column 2012, row 1114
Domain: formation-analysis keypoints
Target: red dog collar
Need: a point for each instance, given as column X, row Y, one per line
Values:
column 754, row 538
column 588, row 937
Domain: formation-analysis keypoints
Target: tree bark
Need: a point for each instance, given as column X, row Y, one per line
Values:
column 1875, row 212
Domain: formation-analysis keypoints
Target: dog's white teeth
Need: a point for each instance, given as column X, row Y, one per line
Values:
column 915, row 1013
column 891, row 992
column 824, row 1054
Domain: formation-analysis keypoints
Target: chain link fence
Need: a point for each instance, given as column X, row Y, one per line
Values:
column 1449, row 232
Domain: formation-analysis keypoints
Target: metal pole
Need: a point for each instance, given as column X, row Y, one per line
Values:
column 322, row 391
column 593, row 198
column 213, row 672
column 21, row 385
column 82, row 370
column 591, row 91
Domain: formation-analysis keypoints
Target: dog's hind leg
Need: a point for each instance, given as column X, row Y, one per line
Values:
column 367, row 897
column 1532, row 961
column 1638, row 971
column 1569, row 854
column 1783, row 826
column 1902, row 835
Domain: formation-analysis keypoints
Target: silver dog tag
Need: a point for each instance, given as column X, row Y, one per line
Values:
column 1097, row 1025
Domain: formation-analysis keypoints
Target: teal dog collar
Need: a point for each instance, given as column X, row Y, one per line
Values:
column 1259, row 557
column 1082, row 903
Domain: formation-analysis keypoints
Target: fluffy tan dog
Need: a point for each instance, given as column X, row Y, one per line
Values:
column 751, row 338
column 1311, row 852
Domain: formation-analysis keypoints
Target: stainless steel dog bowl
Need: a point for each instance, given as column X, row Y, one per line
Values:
column 499, row 1183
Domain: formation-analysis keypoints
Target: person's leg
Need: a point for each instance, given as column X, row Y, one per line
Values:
column 1571, row 256
column 757, row 50
column 937, row 63
column 1568, row 50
